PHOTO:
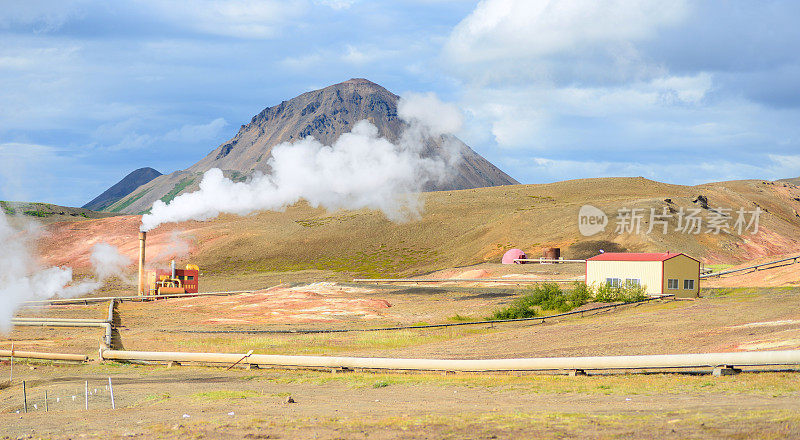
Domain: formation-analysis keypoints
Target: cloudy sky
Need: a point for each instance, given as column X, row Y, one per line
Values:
column 682, row 92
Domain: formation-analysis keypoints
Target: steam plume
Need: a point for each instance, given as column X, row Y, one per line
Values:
column 360, row 170
column 22, row 279
column 175, row 249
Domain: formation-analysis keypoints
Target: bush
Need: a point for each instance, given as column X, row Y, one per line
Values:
column 545, row 296
column 549, row 296
column 606, row 293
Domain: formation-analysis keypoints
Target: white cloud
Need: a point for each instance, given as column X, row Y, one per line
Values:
column 504, row 29
column 355, row 56
column 136, row 134
column 518, row 117
column 426, row 108
column 302, row 62
column 234, row 18
column 540, row 169
column 22, row 164
column 43, row 15
column 197, row 133
column 336, row 4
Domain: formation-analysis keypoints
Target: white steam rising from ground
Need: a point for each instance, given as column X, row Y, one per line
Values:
column 360, row 170
column 23, row 279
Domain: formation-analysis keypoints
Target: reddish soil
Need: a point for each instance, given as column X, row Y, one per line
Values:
column 70, row 243
column 318, row 302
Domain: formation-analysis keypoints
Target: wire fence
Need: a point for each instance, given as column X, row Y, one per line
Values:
column 541, row 319
column 87, row 395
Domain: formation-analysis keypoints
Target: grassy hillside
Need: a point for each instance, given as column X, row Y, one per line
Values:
column 48, row 213
column 466, row 227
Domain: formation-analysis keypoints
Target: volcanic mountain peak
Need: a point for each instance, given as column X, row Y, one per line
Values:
column 122, row 188
column 323, row 114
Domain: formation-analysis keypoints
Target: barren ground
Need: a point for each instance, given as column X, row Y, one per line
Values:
column 298, row 266
column 154, row 401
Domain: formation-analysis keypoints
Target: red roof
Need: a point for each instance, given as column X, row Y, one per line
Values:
column 635, row 256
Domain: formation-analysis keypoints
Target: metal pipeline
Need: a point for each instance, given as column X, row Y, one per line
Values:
column 760, row 358
column 754, row 267
column 100, row 324
column 107, row 324
column 48, row 356
column 37, row 303
column 463, row 280
column 142, row 238
column 27, row 319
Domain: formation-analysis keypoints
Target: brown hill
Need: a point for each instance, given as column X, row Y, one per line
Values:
column 461, row 228
column 324, row 114
column 127, row 185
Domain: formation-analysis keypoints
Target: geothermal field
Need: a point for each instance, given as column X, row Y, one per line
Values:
column 330, row 324
column 419, row 219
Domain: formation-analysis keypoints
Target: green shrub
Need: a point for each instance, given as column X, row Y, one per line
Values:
column 37, row 213
column 606, row 293
column 460, row 318
column 521, row 308
column 549, row 296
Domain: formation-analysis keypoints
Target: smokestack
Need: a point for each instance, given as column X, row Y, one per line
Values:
column 172, row 265
column 142, row 238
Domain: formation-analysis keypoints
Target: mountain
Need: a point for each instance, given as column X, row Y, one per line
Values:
column 793, row 180
column 324, row 114
column 122, row 188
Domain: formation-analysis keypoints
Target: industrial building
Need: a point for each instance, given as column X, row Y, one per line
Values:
column 659, row 273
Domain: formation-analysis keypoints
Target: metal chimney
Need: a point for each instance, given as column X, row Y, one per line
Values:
column 142, row 238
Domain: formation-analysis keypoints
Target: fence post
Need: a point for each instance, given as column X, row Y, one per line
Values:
column 86, row 395
column 25, row 396
column 111, row 388
column 11, row 376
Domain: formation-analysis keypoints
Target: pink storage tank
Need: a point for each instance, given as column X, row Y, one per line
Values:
column 513, row 254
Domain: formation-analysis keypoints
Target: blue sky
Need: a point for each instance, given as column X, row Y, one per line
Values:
column 680, row 91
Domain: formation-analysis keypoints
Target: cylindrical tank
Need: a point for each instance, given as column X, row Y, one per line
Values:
column 512, row 255
column 552, row 253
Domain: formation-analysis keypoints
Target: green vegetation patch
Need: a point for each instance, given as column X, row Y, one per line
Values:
column 130, row 200
column 38, row 213
column 6, row 208
column 237, row 176
column 550, row 297
column 180, row 186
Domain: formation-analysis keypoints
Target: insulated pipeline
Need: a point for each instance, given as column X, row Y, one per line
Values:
column 48, row 356
column 762, row 358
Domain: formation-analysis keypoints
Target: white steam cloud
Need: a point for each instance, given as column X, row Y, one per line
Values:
column 22, row 279
column 360, row 170
column 176, row 248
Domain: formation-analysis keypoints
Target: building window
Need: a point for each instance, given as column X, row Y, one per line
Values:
column 613, row 282
column 672, row 283
column 633, row 282
column 688, row 284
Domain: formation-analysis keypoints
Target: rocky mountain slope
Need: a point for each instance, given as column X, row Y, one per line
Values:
column 122, row 188
column 324, row 114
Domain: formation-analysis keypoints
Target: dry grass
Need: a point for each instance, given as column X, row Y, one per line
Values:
column 325, row 343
